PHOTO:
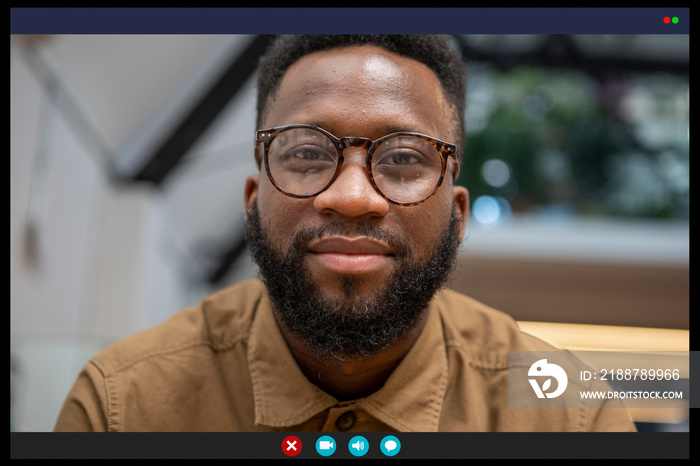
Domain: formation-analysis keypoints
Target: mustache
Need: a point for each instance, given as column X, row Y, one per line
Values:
column 399, row 245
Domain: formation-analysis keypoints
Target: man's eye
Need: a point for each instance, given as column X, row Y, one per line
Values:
column 307, row 154
column 400, row 159
column 403, row 159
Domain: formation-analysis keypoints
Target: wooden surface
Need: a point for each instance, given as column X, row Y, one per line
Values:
column 578, row 292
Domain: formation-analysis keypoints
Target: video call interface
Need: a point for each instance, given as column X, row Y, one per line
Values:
column 491, row 39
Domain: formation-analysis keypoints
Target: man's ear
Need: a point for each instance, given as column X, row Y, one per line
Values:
column 250, row 193
column 461, row 205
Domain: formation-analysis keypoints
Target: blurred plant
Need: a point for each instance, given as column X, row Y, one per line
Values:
column 563, row 141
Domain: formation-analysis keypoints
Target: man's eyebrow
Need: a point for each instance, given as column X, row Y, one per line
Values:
column 379, row 131
column 398, row 129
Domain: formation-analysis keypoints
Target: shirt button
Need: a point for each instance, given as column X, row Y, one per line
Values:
column 345, row 421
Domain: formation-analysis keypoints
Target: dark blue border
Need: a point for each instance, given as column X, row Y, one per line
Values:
column 347, row 20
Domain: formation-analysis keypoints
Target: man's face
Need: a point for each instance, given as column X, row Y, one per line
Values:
column 348, row 243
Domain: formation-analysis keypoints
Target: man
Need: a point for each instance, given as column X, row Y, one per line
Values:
column 355, row 223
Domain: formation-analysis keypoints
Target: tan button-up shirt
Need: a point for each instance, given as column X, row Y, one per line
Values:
column 224, row 366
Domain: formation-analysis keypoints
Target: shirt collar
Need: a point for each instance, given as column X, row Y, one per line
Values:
column 283, row 395
column 410, row 400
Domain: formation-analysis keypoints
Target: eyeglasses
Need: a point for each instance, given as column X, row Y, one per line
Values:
column 302, row 161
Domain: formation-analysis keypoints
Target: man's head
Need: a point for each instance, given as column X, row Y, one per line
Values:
column 436, row 52
column 349, row 272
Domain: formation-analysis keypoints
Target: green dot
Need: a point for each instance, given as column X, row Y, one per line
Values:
column 675, row 20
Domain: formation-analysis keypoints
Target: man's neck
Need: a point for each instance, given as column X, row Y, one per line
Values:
column 348, row 378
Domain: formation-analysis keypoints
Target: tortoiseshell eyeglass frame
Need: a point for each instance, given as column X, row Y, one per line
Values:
column 264, row 137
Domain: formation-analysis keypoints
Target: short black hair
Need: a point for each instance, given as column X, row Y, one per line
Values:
column 435, row 51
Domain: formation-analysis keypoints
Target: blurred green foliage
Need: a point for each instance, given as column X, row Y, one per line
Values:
column 613, row 146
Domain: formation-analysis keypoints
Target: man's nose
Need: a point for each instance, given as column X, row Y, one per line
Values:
column 352, row 193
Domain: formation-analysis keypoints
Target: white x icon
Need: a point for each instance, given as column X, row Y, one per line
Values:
column 291, row 445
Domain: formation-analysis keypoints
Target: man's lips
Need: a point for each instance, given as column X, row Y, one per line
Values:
column 350, row 245
column 351, row 255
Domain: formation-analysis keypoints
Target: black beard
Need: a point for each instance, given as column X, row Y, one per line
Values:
column 351, row 326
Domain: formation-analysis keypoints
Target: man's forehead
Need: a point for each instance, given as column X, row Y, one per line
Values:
column 381, row 66
column 373, row 55
column 375, row 63
column 368, row 75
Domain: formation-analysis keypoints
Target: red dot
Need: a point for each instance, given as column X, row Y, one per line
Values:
column 291, row 446
column 667, row 20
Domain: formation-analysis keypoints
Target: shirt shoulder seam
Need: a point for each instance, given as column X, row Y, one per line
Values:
column 120, row 365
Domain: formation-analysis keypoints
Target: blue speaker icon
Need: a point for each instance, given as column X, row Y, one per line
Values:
column 358, row 445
